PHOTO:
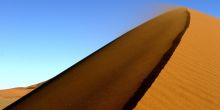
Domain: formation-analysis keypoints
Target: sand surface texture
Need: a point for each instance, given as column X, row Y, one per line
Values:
column 109, row 78
column 9, row 96
column 191, row 79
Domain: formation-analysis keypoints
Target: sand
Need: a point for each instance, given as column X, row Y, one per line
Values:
column 191, row 79
column 121, row 75
column 9, row 96
column 110, row 78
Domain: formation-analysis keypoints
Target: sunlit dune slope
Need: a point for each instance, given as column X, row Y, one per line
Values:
column 110, row 78
column 191, row 79
column 9, row 96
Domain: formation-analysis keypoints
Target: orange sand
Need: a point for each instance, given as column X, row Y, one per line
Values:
column 8, row 96
column 191, row 79
column 107, row 79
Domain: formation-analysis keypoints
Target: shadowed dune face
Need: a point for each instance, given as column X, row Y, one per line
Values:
column 189, row 81
column 109, row 78
column 191, row 78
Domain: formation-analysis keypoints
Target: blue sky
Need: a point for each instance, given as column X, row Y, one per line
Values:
column 41, row 38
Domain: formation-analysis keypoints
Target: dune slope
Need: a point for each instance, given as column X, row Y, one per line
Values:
column 191, row 78
column 9, row 96
column 110, row 78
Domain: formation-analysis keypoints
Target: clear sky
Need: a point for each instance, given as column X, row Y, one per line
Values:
column 41, row 38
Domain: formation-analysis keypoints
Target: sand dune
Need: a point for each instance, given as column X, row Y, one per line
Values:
column 145, row 69
column 109, row 78
column 191, row 79
column 9, row 96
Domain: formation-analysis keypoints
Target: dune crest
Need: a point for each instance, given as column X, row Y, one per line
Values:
column 191, row 78
column 109, row 78
column 171, row 62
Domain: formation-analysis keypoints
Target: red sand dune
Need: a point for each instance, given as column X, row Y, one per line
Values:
column 9, row 96
column 142, row 69
column 191, row 79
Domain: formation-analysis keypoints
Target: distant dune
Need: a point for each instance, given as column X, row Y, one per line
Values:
column 9, row 96
column 170, row 62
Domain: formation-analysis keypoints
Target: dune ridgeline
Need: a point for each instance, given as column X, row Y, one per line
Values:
column 171, row 62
